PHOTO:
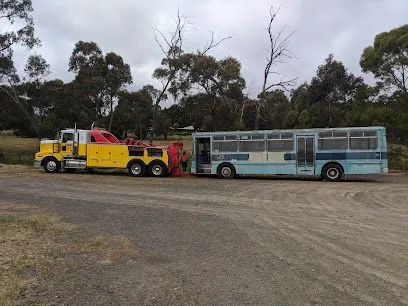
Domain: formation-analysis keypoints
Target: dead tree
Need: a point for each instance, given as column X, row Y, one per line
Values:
column 172, row 49
column 278, row 54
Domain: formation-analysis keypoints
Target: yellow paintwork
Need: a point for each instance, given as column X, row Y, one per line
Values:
column 116, row 156
column 82, row 150
column 97, row 155
column 41, row 155
column 47, row 149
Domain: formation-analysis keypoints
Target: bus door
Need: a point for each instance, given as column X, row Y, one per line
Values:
column 305, row 157
column 203, row 154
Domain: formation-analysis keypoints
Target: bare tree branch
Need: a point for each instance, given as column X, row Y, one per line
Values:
column 278, row 53
column 213, row 43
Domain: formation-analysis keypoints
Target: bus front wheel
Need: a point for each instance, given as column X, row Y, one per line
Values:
column 332, row 172
column 226, row 171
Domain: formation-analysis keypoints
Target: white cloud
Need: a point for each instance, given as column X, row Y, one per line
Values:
column 344, row 28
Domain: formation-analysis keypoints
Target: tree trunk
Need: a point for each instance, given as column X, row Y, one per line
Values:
column 140, row 131
column 241, row 118
column 153, row 126
column 257, row 117
column 111, row 114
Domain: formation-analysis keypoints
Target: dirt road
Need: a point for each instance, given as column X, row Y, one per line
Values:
column 247, row 241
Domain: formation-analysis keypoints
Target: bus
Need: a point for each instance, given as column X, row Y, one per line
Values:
column 328, row 153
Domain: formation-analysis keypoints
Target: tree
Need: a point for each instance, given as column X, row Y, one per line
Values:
column 278, row 53
column 171, row 74
column 332, row 86
column 15, row 12
column 100, row 78
column 133, row 113
column 116, row 77
column 37, row 69
column 325, row 101
column 277, row 111
column 217, row 84
column 387, row 59
column 16, row 15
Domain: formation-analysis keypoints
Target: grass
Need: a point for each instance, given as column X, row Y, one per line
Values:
column 15, row 144
column 28, row 249
column 398, row 157
column 18, row 150
column 34, row 250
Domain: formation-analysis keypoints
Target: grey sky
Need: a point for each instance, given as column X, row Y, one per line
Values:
column 342, row 27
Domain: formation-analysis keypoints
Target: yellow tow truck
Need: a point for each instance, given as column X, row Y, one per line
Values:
column 98, row 148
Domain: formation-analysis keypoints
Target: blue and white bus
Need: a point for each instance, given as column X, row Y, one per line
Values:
column 331, row 154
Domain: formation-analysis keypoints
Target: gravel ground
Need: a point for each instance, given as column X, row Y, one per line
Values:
column 209, row 241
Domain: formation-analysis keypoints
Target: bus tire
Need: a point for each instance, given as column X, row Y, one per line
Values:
column 226, row 171
column 136, row 168
column 51, row 165
column 332, row 172
column 157, row 168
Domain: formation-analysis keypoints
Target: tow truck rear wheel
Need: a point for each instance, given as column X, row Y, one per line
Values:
column 157, row 168
column 137, row 168
column 51, row 165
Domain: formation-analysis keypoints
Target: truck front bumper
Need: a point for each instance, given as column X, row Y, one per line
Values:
column 37, row 163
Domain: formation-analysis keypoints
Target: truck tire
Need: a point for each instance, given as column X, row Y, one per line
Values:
column 51, row 165
column 158, row 169
column 137, row 168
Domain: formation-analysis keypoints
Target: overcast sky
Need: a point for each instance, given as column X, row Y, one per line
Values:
column 341, row 27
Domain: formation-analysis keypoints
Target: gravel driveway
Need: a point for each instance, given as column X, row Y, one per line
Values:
column 246, row 241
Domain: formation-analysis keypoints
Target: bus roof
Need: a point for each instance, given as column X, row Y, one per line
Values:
column 300, row 131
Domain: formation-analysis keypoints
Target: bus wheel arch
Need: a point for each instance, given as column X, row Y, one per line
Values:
column 332, row 172
column 158, row 168
column 226, row 171
column 136, row 167
column 51, row 164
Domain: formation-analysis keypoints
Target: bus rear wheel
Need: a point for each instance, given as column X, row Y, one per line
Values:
column 332, row 172
column 226, row 171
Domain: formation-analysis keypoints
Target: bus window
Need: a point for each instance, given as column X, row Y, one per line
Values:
column 333, row 141
column 252, row 143
column 363, row 140
column 280, row 142
column 225, row 143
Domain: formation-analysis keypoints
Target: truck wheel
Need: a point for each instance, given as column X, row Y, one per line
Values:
column 226, row 171
column 52, row 165
column 157, row 168
column 137, row 168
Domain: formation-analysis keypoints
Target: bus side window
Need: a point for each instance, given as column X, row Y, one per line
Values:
column 363, row 140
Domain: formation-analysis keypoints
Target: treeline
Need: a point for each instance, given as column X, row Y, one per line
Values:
column 207, row 92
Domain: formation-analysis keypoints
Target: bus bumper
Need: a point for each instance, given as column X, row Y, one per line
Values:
column 37, row 163
column 384, row 170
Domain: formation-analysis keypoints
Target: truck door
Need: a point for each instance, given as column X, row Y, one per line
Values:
column 67, row 144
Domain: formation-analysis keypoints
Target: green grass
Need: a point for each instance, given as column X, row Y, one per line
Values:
column 398, row 157
column 18, row 150
column 13, row 144
column 6, row 218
